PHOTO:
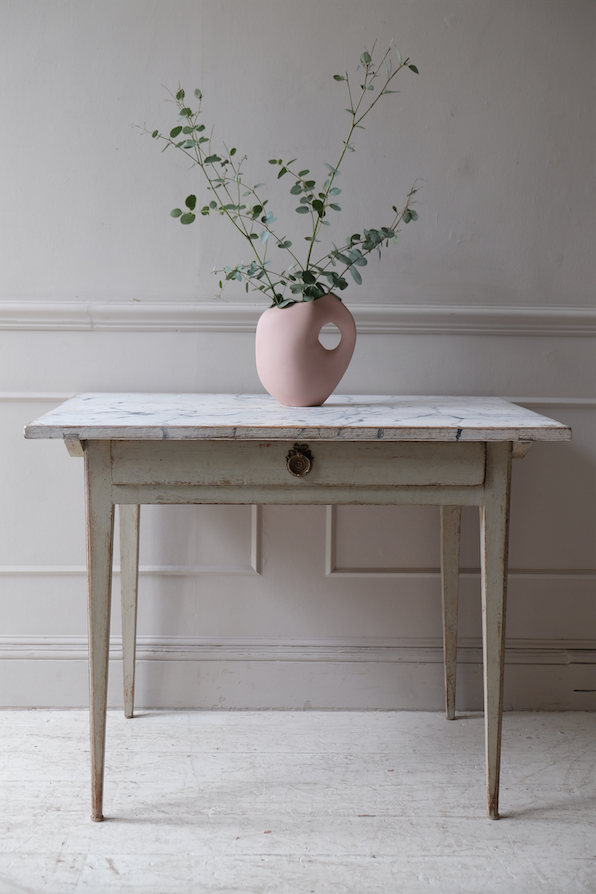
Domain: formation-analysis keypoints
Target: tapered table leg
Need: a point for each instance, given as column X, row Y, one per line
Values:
column 450, row 538
column 129, row 517
column 100, row 537
column 494, row 529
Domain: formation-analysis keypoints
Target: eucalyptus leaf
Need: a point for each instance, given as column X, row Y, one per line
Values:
column 296, row 189
column 338, row 78
column 365, row 58
column 343, row 258
column 191, row 202
column 356, row 276
column 211, row 159
column 198, row 94
column 175, row 131
column 302, row 209
column 176, row 212
column 187, row 218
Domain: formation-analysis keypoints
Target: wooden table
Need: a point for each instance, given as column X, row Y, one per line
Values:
column 218, row 448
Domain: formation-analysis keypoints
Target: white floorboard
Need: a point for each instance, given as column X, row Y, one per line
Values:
column 297, row 802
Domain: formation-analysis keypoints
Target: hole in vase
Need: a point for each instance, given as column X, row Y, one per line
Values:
column 330, row 336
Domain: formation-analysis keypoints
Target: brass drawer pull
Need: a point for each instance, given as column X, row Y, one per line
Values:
column 299, row 460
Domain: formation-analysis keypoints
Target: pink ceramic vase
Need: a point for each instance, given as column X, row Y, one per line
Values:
column 293, row 365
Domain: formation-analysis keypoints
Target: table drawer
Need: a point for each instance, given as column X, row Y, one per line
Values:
column 262, row 463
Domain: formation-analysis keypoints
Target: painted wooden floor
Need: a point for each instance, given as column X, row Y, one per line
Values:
column 300, row 802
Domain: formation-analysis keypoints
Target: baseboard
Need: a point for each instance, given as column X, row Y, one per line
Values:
column 183, row 672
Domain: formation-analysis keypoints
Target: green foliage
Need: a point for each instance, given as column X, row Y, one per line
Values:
column 309, row 279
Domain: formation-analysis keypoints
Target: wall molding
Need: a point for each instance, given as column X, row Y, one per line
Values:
column 373, row 319
column 251, row 569
column 404, row 650
column 332, row 569
column 180, row 673
column 570, row 403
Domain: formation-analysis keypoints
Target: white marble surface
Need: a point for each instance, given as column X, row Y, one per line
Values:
column 246, row 416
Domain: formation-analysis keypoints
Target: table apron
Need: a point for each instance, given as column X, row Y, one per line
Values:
column 439, row 495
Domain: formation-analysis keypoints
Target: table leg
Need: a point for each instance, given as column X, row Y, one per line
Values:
column 450, row 531
column 100, row 538
column 129, row 517
column 494, row 530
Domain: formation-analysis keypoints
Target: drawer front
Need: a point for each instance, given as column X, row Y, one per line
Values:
column 265, row 463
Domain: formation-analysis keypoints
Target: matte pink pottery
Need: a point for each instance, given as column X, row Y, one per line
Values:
column 293, row 365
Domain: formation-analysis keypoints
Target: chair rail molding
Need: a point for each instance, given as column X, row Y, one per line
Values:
column 371, row 319
column 576, row 403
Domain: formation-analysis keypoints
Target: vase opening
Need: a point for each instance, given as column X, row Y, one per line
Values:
column 330, row 336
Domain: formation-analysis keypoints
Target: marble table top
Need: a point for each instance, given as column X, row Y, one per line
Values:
column 250, row 417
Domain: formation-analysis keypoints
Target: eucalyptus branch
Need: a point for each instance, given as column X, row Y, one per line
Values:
column 224, row 179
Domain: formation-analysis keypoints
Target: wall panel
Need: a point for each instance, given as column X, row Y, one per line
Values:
column 297, row 605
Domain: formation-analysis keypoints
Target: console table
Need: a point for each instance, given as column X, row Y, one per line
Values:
column 218, row 448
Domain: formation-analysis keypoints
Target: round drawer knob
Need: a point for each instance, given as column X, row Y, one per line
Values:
column 299, row 460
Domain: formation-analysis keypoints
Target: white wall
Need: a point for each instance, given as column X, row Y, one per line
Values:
column 490, row 292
